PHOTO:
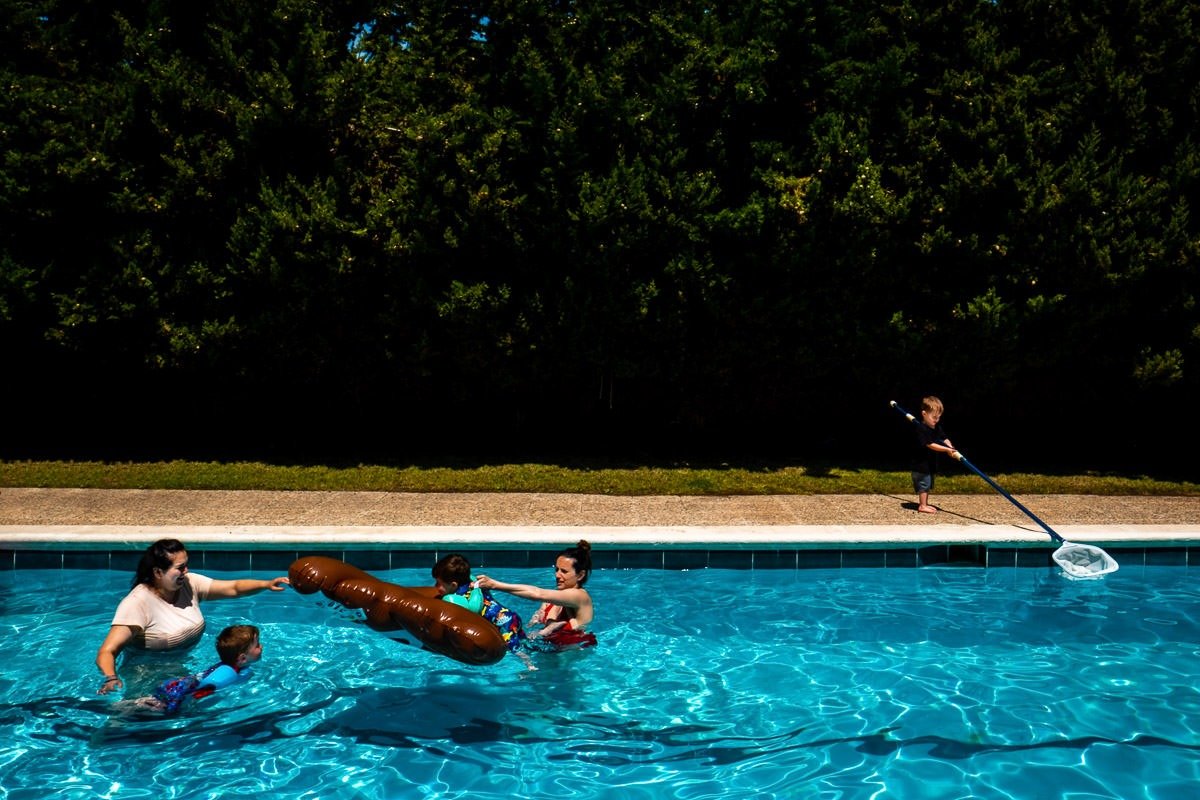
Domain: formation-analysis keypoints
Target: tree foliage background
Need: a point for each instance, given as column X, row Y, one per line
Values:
column 370, row 230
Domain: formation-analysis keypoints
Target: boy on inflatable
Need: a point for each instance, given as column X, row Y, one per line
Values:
column 452, row 576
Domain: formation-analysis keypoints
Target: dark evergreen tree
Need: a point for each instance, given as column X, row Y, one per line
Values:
column 418, row 228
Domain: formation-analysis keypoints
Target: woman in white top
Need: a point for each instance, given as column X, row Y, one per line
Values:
column 162, row 610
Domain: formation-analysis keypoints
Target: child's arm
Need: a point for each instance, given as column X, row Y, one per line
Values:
column 943, row 446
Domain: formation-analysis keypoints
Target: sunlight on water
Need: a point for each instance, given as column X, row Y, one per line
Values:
column 706, row 684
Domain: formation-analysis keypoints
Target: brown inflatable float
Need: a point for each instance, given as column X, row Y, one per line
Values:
column 439, row 626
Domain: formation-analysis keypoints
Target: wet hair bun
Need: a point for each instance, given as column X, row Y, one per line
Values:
column 581, row 557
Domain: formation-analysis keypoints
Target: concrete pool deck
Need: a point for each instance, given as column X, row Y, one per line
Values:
column 82, row 517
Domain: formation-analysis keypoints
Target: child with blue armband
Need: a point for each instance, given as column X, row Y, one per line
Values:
column 237, row 646
column 452, row 577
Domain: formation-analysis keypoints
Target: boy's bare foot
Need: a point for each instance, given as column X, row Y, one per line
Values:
column 927, row 509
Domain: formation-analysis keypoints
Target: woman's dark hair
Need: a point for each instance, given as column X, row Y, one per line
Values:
column 157, row 556
column 581, row 554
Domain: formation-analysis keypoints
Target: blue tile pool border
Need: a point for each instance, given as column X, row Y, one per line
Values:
column 375, row 556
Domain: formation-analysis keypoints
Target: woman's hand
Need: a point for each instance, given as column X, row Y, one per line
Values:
column 547, row 629
column 484, row 582
column 111, row 682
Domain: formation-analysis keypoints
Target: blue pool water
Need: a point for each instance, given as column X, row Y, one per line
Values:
column 905, row 683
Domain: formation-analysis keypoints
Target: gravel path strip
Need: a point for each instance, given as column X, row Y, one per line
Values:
column 132, row 507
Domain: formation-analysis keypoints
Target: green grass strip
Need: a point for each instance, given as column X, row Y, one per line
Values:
column 723, row 481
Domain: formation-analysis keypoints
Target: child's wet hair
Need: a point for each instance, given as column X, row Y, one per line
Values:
column 235, row 640
column 452, row 568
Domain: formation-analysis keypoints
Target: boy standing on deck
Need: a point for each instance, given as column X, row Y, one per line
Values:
column 931, row 440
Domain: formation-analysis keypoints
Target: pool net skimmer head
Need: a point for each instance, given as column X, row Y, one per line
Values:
column 1084, row 561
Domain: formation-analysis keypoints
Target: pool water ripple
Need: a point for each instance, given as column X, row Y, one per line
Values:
column 707, row 683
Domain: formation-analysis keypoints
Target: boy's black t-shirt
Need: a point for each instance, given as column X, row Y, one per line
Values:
column 924, row 459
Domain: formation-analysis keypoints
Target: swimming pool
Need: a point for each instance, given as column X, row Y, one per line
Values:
column 851, row 683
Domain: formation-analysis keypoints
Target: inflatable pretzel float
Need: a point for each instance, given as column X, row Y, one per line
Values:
column 439, row 626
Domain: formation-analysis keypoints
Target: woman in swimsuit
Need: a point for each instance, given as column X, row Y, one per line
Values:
column 162, row 611
column 566, row 610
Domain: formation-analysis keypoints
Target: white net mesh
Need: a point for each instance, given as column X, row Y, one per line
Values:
column 1084, row 561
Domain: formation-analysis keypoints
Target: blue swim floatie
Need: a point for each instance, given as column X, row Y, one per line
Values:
column 469, row 597
column 174, row 692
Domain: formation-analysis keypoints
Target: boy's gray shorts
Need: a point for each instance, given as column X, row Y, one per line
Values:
column 922, row 482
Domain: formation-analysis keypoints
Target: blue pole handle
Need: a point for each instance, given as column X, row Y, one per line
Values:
column 1010, row 498
column 991, row 482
